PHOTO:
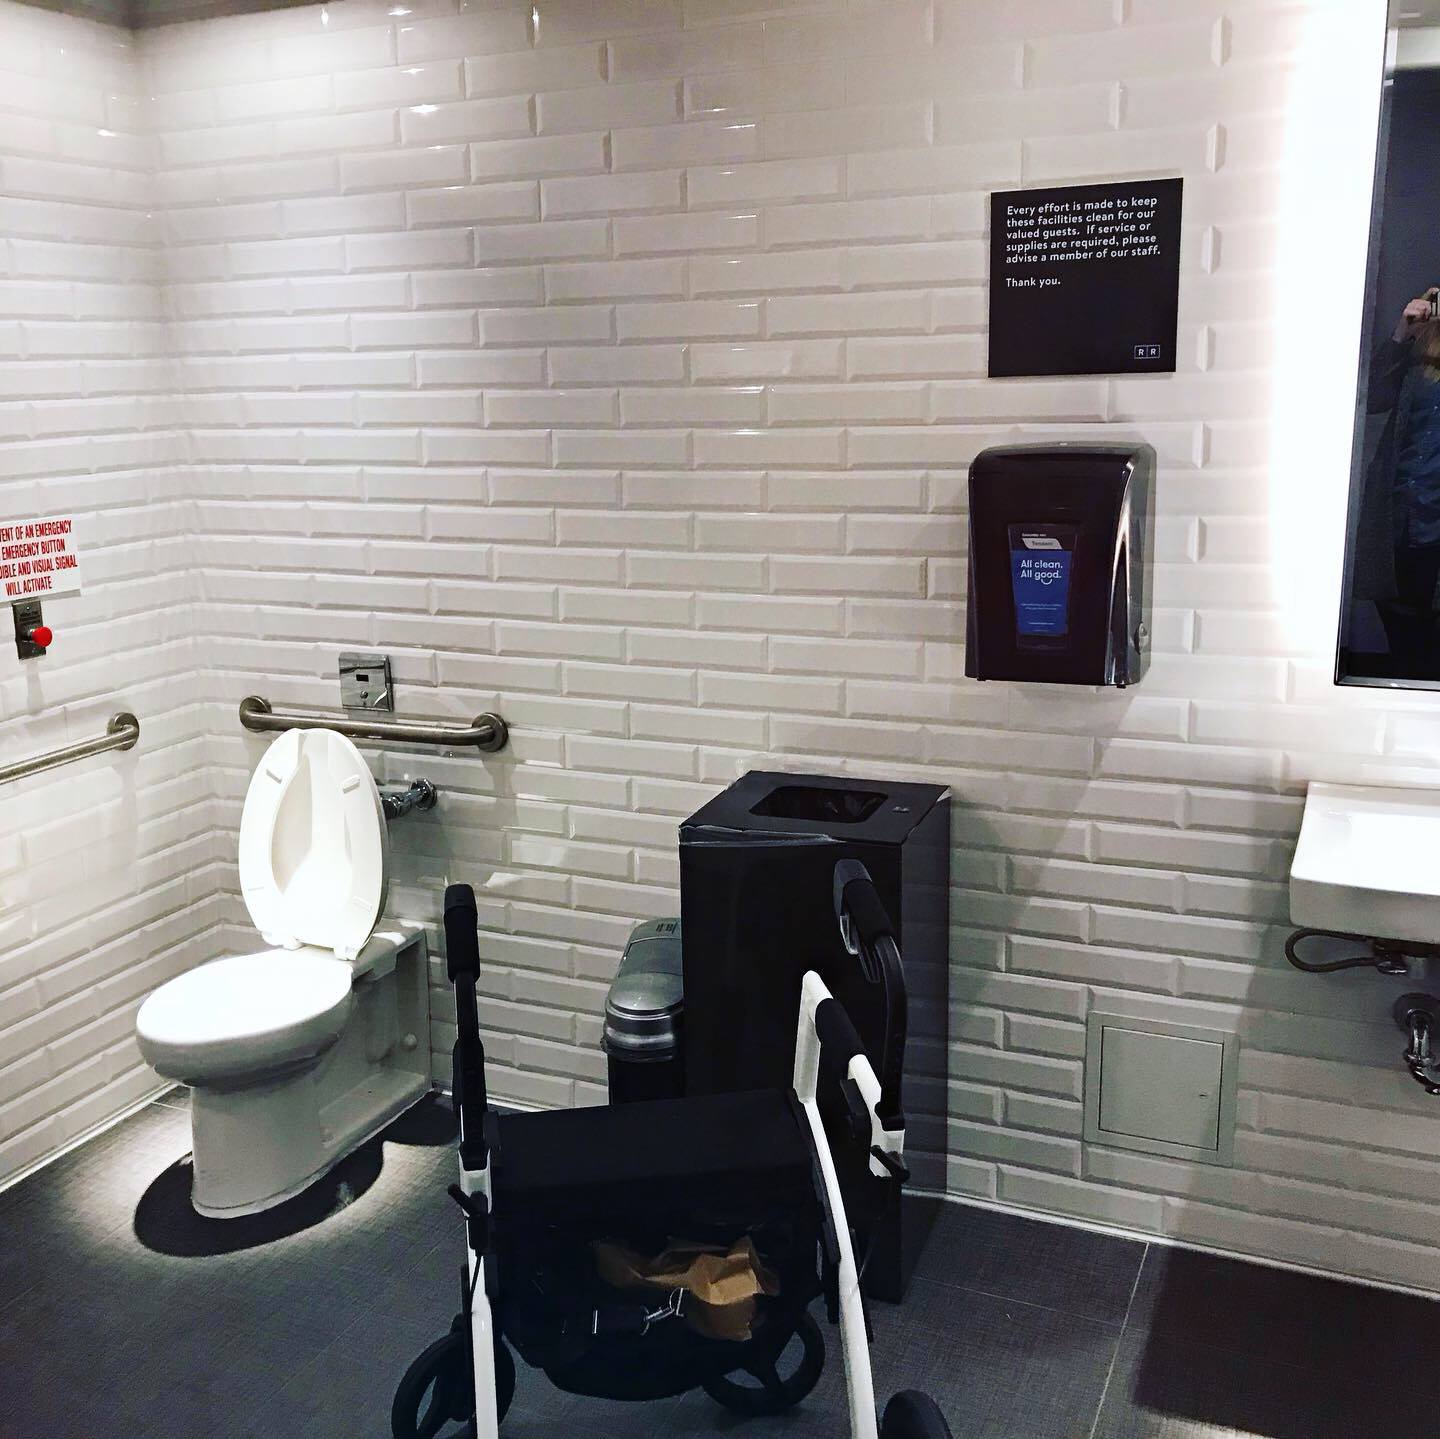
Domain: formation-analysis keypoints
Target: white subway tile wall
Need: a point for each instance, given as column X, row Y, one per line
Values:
column 617, row 364
column 110, row 869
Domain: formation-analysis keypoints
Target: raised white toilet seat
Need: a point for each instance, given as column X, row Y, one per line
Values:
column 314, row 850
column 247, row 1014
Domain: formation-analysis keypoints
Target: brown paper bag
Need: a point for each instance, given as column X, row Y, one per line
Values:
column 723, row 1285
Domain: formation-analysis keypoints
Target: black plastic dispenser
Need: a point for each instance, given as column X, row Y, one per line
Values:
column 1059, row 581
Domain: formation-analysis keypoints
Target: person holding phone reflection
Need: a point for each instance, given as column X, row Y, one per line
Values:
column 1405, row 383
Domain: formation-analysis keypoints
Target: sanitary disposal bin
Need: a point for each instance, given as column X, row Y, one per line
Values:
column 643, row 1013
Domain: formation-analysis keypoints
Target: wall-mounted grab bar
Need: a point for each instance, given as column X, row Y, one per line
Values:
column 121, row 733
column 487, row 732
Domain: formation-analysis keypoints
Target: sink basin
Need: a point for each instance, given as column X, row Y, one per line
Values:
column 1368, row 862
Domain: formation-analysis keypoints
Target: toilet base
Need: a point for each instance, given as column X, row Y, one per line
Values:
column 272, row 1145
column 255, row 1145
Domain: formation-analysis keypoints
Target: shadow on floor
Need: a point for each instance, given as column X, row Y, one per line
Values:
column 166, row 1221
column 430, row 1124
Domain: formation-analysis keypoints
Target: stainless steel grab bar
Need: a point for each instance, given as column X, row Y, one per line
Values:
column 487, row 732
column 121, row 733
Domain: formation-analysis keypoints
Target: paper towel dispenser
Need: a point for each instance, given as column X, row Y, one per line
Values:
column 1059, row 584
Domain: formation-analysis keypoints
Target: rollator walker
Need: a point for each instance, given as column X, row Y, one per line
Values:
column 540, row 1190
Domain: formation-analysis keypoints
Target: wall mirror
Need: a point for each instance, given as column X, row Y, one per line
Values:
column 1390, row 616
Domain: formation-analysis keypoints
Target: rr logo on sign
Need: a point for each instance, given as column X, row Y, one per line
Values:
column 1147, row 352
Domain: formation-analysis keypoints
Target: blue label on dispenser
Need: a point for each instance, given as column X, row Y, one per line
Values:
column 1042, row 591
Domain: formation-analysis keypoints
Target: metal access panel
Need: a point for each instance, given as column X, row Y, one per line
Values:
column 1160, row 1088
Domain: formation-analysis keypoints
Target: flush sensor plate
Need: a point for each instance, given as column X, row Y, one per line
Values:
column 365, row 683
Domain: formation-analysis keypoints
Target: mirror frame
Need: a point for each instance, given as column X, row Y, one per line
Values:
column 1362, row 378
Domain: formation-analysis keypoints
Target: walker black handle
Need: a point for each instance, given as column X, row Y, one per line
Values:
column 462, row 945
column 861, row 913
column 839, row 1042
column 462, row 963
column 869, row 935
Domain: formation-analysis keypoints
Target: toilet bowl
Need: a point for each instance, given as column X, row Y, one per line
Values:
column 297, row 1053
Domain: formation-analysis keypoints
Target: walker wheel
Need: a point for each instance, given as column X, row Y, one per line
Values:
column 771, row 1392
column 438, row 1389
column 912, row 1415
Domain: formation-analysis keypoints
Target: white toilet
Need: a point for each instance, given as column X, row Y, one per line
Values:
column 298, row 1053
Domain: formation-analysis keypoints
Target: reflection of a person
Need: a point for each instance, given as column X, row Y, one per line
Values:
column 1405, row 382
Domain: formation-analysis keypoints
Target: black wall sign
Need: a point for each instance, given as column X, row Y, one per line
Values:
column 1085, row 279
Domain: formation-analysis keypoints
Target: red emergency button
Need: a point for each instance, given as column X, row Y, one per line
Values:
column 41, row 635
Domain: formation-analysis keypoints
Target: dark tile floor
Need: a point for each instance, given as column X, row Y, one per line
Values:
column 125, row 1315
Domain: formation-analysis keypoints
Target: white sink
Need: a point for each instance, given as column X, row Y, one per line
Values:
column 1368, row 862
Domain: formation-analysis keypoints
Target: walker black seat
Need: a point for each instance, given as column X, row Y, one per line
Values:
column 707, row 1151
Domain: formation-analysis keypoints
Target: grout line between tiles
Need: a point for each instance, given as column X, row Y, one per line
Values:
column 1119, row 1340
column 1005, row 1297
column 1169, row 1242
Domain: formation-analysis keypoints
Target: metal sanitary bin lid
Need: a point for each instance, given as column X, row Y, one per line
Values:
column 647, row 996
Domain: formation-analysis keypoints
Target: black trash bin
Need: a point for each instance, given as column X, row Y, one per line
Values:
column 643, row 1013
column 757, row 866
